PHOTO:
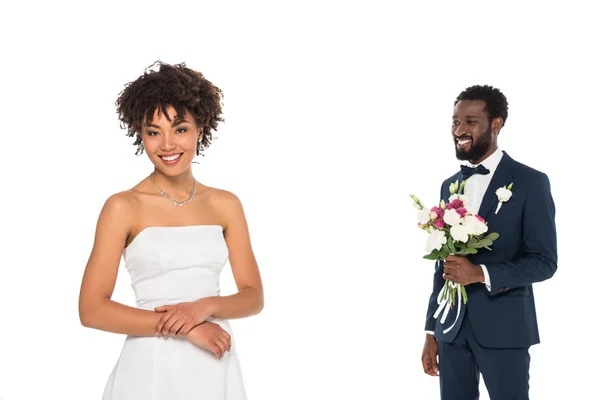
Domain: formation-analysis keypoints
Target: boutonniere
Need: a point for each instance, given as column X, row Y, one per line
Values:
column 504, row 194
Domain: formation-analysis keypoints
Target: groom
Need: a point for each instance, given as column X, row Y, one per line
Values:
column 493, row 333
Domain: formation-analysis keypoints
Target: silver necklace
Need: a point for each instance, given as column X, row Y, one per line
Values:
column 175, row 202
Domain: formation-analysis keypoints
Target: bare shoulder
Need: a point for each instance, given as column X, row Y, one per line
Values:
column 121, row 204
column 226, row 204
column 127, row 201
column 120, row 210
column 222, row 198
column 117, row 219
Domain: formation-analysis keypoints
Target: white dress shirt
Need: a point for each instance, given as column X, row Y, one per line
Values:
column 475, row 189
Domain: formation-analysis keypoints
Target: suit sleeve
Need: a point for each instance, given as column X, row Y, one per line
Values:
column 539, row 258
column 438, row 283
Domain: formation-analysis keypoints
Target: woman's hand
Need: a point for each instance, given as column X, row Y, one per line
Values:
column 212, row 337
column 179, row 319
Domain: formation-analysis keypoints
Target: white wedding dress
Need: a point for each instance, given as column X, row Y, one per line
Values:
column 169, row 265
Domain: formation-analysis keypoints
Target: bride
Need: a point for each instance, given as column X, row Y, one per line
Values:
column 175, row 235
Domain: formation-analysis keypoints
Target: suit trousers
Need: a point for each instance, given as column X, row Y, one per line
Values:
column 505, row 371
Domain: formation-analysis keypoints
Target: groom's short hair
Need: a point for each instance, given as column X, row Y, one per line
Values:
column 496, row 104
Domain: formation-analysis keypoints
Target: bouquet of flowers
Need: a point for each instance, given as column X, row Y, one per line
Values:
column 452, row 229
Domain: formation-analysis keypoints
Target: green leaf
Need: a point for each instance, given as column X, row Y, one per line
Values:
column 473, row 240
column 466, row 252
column 492, row 236
column 485, row 242
column 434, row 255
column 476, row 244
column 510, row 186
column 450, row 242
column 443, row 252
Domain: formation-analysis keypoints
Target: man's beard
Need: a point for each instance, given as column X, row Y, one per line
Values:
column 478, row 148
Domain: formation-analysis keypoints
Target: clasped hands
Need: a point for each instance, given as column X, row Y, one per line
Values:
column 189, row 319
column 461, row 270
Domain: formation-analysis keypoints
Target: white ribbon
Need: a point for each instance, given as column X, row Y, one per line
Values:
column 498, row 208
column 444, row 304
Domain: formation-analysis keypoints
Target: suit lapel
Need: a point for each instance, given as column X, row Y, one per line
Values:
column 502, row 177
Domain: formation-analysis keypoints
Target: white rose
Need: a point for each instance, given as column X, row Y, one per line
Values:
column 474, row 226
column 469, row 224
column 435, row 241
column 451, row 217
column 459, row 233
column 503, row 194
column 423, row 216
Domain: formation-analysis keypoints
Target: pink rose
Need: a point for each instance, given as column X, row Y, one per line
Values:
column 437, row 212
column 461, row 210
column 456, row 204
column 439, row 223
column 448, row 206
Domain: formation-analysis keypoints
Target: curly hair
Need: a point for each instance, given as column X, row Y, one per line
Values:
column 163, row 85
column 496, row 104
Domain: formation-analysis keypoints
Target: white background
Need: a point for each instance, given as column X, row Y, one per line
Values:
column 334, row 114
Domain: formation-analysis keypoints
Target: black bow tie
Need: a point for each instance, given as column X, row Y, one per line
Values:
column 467, row 171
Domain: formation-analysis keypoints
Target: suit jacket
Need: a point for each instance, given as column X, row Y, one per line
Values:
column 524, row 253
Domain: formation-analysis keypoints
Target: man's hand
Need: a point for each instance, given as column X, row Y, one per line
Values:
column 461, row 270
column 429, row 357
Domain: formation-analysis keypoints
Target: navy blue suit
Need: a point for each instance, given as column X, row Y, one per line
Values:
column 504, row 318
